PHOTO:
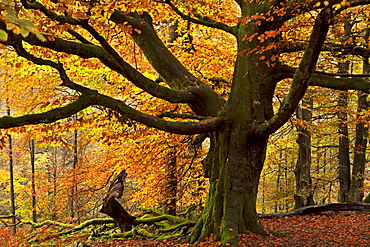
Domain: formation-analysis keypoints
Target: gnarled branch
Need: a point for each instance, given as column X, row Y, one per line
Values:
column 202, row 20
column 333, row 81
column 302, row 75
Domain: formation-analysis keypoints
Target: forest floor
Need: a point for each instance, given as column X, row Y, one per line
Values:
column 332, row 229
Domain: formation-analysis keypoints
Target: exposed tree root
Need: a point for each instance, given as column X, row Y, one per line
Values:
column 350, row 206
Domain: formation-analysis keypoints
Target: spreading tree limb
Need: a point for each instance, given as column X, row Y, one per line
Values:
column 302, row 75
column 331, row 81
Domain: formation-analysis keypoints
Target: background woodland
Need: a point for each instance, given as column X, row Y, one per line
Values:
column 61, row 171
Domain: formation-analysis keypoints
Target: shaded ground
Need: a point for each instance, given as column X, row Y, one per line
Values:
column 342, row 229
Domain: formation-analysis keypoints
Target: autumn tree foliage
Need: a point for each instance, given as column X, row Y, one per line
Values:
column 251, row 46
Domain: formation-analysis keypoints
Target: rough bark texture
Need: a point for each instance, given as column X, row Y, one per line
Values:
column 356, row 192
column 170, row 189
column 344, row 170
column 304, row 192
column 113, row 208
column 233, row 168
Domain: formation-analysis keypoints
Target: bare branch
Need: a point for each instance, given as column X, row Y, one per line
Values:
column 79, row 37
column 340, row 49
column 341, row 74
column 170, row 69
column 187, row 128
column 331, row 80
column 182, row 116
column 51, row 116
column 202, row 20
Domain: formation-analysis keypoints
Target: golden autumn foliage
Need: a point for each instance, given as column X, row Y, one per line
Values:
column 102, row 86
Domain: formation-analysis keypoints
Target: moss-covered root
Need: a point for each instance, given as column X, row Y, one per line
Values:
column 97, row 221
column 175, row 227
column 132, row 233
column 47, row 222
column 73, row 228
column 189, row 210
column 151, row 220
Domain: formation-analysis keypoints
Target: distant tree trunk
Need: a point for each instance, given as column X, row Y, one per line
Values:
column 11, row 180
column 33, row 181
column 74, row 179
column 304, row 193
column 170, row 187
column 344, row 171
column 52, row 176
column 356, row 192
column 172, row 32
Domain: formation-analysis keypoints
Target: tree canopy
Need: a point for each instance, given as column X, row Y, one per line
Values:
column 203, row 67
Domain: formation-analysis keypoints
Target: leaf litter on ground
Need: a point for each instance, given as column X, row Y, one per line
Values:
column 330, row 229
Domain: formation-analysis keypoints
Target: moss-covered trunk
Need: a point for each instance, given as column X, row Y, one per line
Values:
column 234, row 168
column 237, row 154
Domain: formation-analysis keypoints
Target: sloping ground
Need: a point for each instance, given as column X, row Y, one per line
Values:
column 341, row 229
column 316, row 230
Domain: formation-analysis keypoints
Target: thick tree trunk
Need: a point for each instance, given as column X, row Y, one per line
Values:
column 304, row 193
column 236, row 156
column 233, row 167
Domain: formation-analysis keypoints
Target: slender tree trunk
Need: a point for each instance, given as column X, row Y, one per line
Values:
column 170, row 187
column 304, row 193
column 11, row 180
column 344, row 171
column 356, row 192
column 278, row 186
column 74, row 179
column 33, row 180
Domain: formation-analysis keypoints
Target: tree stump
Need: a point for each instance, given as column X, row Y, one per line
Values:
column 113, row 208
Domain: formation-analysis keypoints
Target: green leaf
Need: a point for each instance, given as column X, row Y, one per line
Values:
column 24, row 32
column 10, row 11
column 3, row 35
column 11, row 18
column 26, row 23
column 40, row 36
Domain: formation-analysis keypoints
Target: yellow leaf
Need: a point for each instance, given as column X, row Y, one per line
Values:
column 337, row 6
column 10, row 26
column 16, row 30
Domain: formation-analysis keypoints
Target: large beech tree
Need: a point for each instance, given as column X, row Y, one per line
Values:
column 238, row 123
